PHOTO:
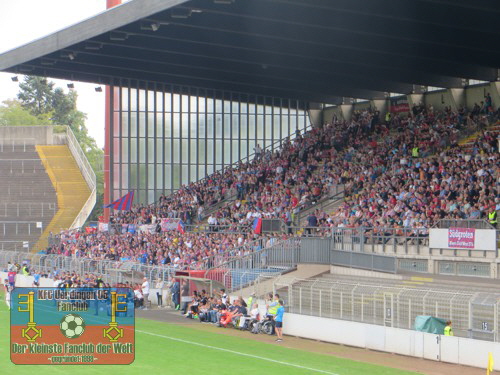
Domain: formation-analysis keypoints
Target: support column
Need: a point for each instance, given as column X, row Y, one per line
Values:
column 107, row 136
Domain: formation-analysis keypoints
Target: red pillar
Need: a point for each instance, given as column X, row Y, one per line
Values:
column 107, row 135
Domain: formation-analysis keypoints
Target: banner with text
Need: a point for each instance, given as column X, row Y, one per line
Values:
column 462, row 238
column 78, row 326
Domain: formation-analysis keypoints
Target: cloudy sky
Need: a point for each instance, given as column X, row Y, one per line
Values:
column 22, row 21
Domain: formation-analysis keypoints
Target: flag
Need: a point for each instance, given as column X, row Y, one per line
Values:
column 491, row 363
column 257, row 226
column 181, row 227
column 124, row 203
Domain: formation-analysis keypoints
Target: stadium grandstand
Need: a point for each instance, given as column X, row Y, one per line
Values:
column 344, row 155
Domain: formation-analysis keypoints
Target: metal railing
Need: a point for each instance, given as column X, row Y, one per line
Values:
column 467, row 223
column 474, row 314
column 87, row 173
column 111, row 271
column 246, row 270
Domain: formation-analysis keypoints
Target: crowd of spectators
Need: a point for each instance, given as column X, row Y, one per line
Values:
column 404, row 173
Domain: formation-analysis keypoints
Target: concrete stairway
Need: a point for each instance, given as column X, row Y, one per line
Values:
column 72, row 190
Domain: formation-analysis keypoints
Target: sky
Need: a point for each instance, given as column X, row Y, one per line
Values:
column 22, row 21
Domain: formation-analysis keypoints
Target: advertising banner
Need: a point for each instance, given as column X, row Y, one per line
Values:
column 399, row 104
column 462, row 238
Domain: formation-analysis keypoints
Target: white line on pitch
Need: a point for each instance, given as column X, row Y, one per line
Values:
column 238, row 353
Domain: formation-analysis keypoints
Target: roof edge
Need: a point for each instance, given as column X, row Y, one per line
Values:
column 106, row 21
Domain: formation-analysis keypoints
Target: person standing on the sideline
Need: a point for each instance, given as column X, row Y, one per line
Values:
column 448, row 331
column 278, row 321
column 145, row 291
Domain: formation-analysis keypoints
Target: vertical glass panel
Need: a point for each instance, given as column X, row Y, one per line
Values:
column 236, row 126
column 159, row 177
column 124, row 184
column 142, row 176
column 133, row 124
column 125, row 124
column 194, row 104
column 284, row 125
column 185, row 125
column 227, row 152
column 244, row 149
column 159, row 101
column 168, row 151
column 210, row 126
column 142, row 150
column 227, row 126
column 177, row 121
column 210, row 105
column 243, row 127
column 218, row 126
column 133, row 176
column 235, row 152
column 176, row 149
column 227, row 106
column 151, row 150
column 177, row 102
column 168, row 102
column 151, row 125
column 235, row 107
column 142, row 124
column 151, row 176
column 125, row 150
column 201, row 151
column 218, row 151
column 168, row 125
column 269, row 126
column 151, row 100
column 210, row 169
column 193, row 121
column 124, row 98
column 168, row 176
column 176, row 178
column 210, row 151
column 133, row 150
column 194, row 173
column 194, row 151
column 251, row 126
column 159, row 150
column 116, row 175
column 260, row 127
column 201, row 125
column 133, row 99
column 251, row 147
column 142, row 196
column 201, row 172
column 202, row 105
column 151, row 196
column 277, row 127
column 185, row 151
column 218, row 106
column 185, row 103
column 142, row 100
column 185, row 175
column 260, row 109
column 159, row 125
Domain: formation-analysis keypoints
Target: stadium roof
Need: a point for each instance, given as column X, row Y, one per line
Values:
column 315, row 50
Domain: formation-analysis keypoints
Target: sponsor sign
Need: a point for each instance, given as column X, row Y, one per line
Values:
column 399, row 104
column 77, row 326
column 461, row 238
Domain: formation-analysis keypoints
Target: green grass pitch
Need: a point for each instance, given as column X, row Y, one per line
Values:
column 163, row 348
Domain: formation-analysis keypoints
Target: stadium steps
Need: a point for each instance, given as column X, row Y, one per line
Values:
column 71, row 188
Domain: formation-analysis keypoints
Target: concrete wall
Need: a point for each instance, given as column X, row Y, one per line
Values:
column 456, row 350
column 29, row 135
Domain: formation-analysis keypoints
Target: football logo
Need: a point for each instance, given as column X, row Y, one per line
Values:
column 72, row 326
